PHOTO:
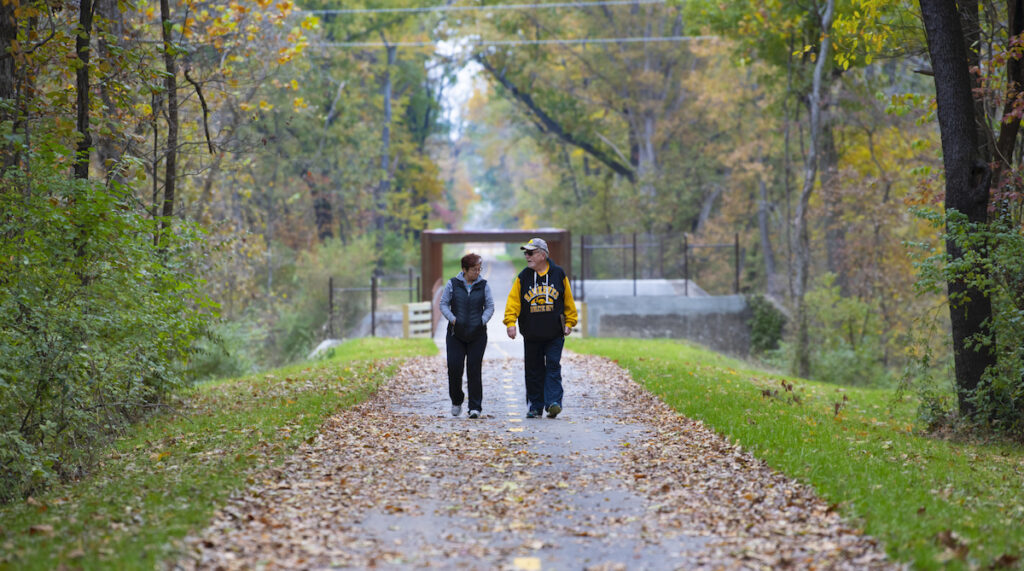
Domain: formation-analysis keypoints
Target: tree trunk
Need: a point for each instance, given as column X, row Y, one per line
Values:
column 787, row 171
column 107, row 152
column 171, row 95
column 271, row 220
column 967, row 186
column 323, row 215
column 835, row 232
column 83, row 51
column 771, row 279
column 156, row 102
column 381, row 216
column 802, row 248
column 8, row 78
column 206, row 194
column 570, row 176
column 647, row 168
column 970, row 26
column 1009, row 129
column 705, row 209
column 8, row 34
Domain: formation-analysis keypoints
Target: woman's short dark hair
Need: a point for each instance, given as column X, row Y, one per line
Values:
column 470, row 260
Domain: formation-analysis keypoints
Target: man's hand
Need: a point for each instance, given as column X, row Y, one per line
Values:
column 568, row 330
column 511, row 331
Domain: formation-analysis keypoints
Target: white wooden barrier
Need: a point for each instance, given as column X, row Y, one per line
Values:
column 580, row 330
column 416, row 320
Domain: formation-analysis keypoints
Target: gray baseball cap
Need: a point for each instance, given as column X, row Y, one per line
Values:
column 536, row 244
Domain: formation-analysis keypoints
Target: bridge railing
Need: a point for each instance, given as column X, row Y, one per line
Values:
column 716, row 267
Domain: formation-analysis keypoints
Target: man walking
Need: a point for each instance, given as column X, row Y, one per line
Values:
column 542, row 302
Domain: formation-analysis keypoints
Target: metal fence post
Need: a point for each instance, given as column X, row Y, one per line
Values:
column 736, row 254
column 373, row 306
column 661, row 257
column 623, row 256
column 330, row 306
column 634, row 264
column 583, row 266
column 686, row 267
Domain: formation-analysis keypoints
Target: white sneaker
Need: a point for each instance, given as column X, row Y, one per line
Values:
column 474, row 414
column 456, row 409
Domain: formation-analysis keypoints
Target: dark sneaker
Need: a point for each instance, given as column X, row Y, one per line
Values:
column 474, row 414
column 554, row 409
column 533, row 413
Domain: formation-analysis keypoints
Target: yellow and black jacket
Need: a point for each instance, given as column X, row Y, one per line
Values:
column 538, row 300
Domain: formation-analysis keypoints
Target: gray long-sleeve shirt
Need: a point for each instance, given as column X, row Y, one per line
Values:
column 446, row 299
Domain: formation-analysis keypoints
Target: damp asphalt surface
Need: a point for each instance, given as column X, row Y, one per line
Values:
column 579, row 528
column 601, row 524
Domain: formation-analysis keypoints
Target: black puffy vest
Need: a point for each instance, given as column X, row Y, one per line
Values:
column 541, row 303
column 468, row 307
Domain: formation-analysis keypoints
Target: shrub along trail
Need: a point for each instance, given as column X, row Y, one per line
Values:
column 617, row 481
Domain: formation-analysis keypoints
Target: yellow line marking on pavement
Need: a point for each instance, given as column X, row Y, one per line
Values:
column 526, row 564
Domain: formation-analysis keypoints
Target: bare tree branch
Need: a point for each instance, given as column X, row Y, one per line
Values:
column 553, row 127
column 206, row 111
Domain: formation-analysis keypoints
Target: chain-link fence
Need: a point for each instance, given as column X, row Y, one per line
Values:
column 371, row 310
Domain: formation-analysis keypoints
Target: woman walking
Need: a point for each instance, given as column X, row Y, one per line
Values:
column 467, row 304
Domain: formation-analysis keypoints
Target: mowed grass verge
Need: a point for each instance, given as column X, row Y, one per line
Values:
column 934, row 503
column 166, row 476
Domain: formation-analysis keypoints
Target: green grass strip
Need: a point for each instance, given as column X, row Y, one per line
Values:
column 934, row 503
column 166, row 476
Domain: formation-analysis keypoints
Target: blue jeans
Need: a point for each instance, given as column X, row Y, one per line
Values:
column 543, row 372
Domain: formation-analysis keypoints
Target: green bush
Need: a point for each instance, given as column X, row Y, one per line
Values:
column 301, row 312
column 230, row 350
column 849, row 336
column 285, row 324
column 96, row 322
column 993, row 262
column 766, row 325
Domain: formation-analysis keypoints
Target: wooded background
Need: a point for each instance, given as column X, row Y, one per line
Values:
column 180, row 179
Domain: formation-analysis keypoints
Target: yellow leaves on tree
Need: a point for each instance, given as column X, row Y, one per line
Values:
column 243, row 28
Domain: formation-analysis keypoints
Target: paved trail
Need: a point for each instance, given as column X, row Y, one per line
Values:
column 617, row 481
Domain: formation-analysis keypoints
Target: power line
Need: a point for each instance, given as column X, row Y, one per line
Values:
column 495, row 7
column 488, row 43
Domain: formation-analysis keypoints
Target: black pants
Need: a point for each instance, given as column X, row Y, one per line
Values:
column 468, row 356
